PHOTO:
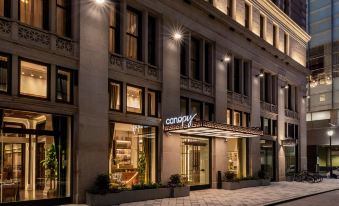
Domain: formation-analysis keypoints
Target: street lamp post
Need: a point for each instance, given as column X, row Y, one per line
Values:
column 330, row 133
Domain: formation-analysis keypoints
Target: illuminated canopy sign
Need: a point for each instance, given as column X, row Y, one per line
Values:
column 181, row 120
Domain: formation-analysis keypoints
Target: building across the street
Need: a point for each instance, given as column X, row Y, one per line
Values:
column 323, row 102
column 141, row 90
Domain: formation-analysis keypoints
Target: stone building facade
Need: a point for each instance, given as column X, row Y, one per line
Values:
column 92, row 84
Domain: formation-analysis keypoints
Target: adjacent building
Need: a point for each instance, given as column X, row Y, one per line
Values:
column 141, row 90
column 323, row 84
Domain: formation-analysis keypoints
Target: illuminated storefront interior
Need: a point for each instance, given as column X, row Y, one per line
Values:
column 35, row 156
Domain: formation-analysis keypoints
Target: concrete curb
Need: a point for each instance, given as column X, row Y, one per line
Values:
column 297, row 198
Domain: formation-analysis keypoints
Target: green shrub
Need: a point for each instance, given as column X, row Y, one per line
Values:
column 101, row 184
column 230, row 176
column 176, row 180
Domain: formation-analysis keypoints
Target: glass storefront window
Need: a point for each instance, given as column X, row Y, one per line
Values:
column 33, row 79
column 195, row 160
column 64, row 85
column 135, row 100
column 290, row 159
column 4, row 73
column 132, row 154
column 267, row 157
column 237, row 156
column 115, row 100
column 35, row 156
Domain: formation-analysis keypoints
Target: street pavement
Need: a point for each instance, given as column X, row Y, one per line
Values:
column 325, row 199
column 264, row 195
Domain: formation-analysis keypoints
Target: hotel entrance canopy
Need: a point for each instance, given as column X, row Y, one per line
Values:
column 213, row 129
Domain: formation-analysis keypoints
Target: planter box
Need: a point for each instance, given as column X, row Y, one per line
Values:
column 244, row 184
column 180, row 191
column 110, row 199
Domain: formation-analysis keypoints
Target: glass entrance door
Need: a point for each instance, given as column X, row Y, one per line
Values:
column 195, row 160
column 267, row 156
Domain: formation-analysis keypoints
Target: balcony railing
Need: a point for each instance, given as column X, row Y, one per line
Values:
column 133, row 67
column 269, row 107
column 196, row 85
column 235, row 98
column 27, row 35
column 291, row 114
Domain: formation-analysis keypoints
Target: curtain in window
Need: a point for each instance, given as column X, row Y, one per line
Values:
column 115, row 96
column 132, row 35
column 31, row 12
column 3, row 74
column 2, row 7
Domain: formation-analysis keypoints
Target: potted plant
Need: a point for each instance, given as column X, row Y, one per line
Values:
column 178, row 186
column 141, row 167
column 51, row 165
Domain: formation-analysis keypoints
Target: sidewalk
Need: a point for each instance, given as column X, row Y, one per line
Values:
column 265, row 195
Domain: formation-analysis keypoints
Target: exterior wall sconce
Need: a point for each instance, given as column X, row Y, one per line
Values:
column 260, row 75
column 177, row 36
column 99, row 1
column 285, row 86
column 226, row 59
column 306, row 97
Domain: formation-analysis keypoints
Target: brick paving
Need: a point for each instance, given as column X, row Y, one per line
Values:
column 274, row 193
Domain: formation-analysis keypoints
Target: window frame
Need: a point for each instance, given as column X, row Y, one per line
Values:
column 71, row 79
column 45, row 16
column 196, row 70
column 157, row 101
column 142, row 99
column 152, row 42
column 121, row 95
column 7, row 9
column 247, row 16
column 139, row 36
column 116, row 29
column 68, row 21
column 9, row 73
column 48, row 95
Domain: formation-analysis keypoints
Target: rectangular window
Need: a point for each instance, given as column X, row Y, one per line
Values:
column 262, row 26
column 237, row 80
column 151, row 40
column 245, row 119
column 34, row 13
column 247, row 16
column 195, row 58
column 114, row 29
column 5, row 8
column 262, row 88
column 267, row 79
column 236, row 118
column 63, row 20
column 246, row 78
column 133, row 34
column 183, row 106
column 287, row 7
column 229, row 7
column 135, row 100
column 34, row 79
column 229, row 116
column 64, row 81
column 4, row 73
column 274, row 127
column 208, row 63
column 196, row 108
column 275, row 32
column 322, row 98
column 35, row 152
column 183, row 58
column 209, row 112
column 115, row 93
column 132, row 147
column 285, row 43
column 153, row 101
column 229, row 76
